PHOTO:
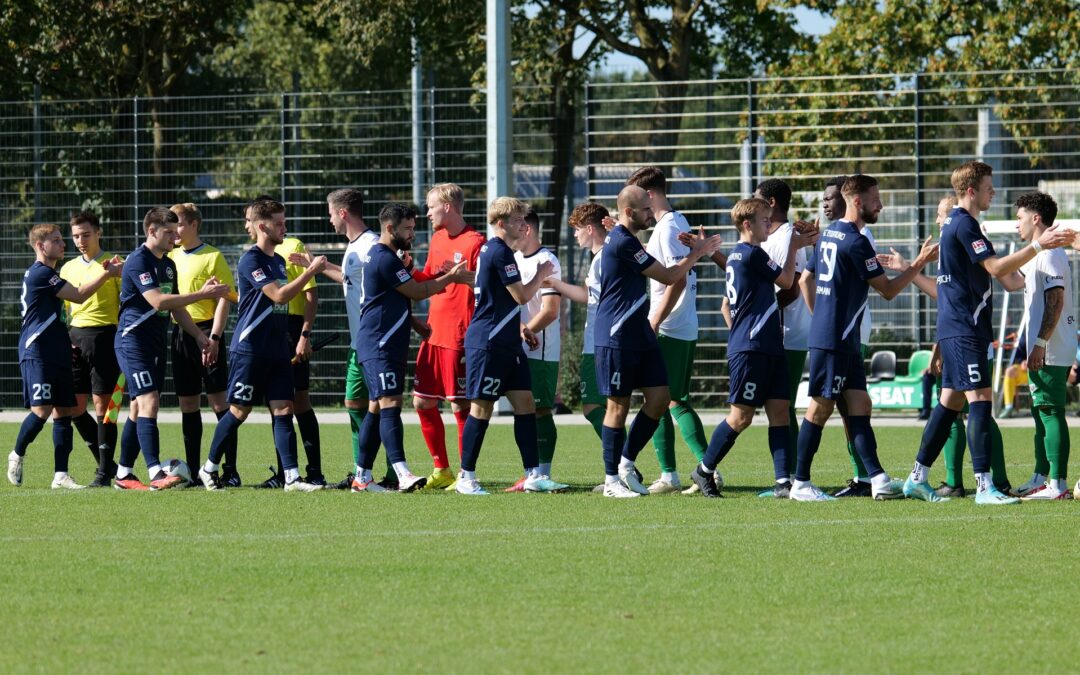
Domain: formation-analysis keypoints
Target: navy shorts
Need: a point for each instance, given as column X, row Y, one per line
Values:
column 383, row 378
column 620, row 371
column 145, row 372
column 756, row 378
column 491, row 373
column 964, row 365
column 47, row 383
column 833, row 373
column 255, row 379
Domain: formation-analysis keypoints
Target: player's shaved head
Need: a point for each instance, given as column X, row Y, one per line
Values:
column 635, row 208
column 631, row 197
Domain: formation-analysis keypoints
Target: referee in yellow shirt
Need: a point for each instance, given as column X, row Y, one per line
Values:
column 302, row 310
column 92, row 327
column 197, row 261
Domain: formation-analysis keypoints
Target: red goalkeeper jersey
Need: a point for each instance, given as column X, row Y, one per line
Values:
column 451, row 311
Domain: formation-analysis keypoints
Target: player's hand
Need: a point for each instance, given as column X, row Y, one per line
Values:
column 214, row 288
column 1056, row 237
column 545, row 269
column 935, row 364
column 210, row 353
column 114, row 266
column 407, row 260
column 928, row 252
column 300, row 259
column 893, row 261
column 303, row 349
column 654, row 325
column 1036, row 359
column 530, row 338
column 608, row 222
column 446, row 266
column 422, row 328
column 203, row 343
column 804, row 238
column 805, row 226
column 461, row 274
column 317, row 264
column 703, row 245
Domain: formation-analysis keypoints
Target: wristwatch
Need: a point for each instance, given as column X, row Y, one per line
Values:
column 215, row 337
column 305, row 333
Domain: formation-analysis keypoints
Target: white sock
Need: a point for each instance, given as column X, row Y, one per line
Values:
column 545, row 468
column 532, row 472
column 799, row 484
column 609, row 480
column 670, row 476
column 122, row 472
column 210, row 467
column 59, row 475
column 359, row 470
column 707, row 470
column 626, row 465
column 152, row 470
column 785, row 479
column 983, row 482
column 292, row 475
column 1060, row 484
column 13, row 455
column 468, row 475
column 402, row 470
column 881, row 480
column 920, row 473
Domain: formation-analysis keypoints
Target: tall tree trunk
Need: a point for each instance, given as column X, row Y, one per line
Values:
column 562, row 129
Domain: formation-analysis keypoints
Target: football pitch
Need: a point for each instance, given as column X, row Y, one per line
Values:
column 254, row 580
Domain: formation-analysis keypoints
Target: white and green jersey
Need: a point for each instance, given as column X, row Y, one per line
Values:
column 1050, row 269
column 664, row 245
column 550, row 338
column 352, row 284
column 796, row 315
column 592, row 285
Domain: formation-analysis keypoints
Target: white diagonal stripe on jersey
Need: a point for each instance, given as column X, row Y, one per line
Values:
column 393, row 329
column 254, row 324
column 854, row 320
column 143, row 317
column 982, row 305
column 506, row 320
column 761, row 322
column 622, row 319
column 30, row 340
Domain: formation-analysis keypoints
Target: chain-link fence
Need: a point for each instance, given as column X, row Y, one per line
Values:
column 715, row 139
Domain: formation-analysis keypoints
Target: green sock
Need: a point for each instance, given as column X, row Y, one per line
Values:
column 596, row 419
column 856, row 463
column 1057, row 441
column 690, row 428
column 664, row 441
column 954, row 453
column 997, row 457
column 1042, row 464
column 546, row 435
column 356, row 418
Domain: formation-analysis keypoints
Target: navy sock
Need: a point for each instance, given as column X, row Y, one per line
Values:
column 31, row 427
column 62, row 441
column 472, row 437
column 641, row 431
column 370, row 440
column 612, row 441
column 935, row 433
column 191, row 429
column 229, row 445
column 88, row 431
column 723, row 438
column 285, row 440
column 392, row 433
column 525, row 436
column 862, row 436
column 129, row 444
column 309, row 434
column 226, row 428
column 149, row 441
column 928, row 382
column 809, row 440
column 978, row 435
column 779, row 443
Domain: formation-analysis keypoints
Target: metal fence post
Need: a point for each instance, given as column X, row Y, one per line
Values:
column 431, row 137
column 37, row 154
column 922, row 306
column 281, row 124
column 417, row 125
column 590, row 170
column 135, row 162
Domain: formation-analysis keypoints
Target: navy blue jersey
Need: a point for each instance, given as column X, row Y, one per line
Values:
column 383, row 330
column 622, row 313
column 496, row 321
column 43, row 332
column 843, row 262
column 263, row 327
column 965, row 296
column 140, row 323
column 755, row 315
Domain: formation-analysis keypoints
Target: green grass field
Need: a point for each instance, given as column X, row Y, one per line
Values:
column 251, row 580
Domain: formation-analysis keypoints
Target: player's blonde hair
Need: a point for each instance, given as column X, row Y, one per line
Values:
column 948, row 200
column 969, row 175
column 39, row 233
column 505, row 207
column 747, row 209
column 449, row 193
column 188, row 212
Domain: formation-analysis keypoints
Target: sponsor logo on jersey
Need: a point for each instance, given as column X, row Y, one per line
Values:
column 258, row 275
column 511, row 270
column 1050, row 279
column 403, row 275
column 57, row 280
column 169, row 272
column 457, row 257
column 641, row 256
column 871, row 264
column 773, row 265
column 145, row 279
column 281, row 269
column 979, row 246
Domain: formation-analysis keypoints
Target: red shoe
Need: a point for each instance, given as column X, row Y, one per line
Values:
column 164, row 482
column 129, row 483
column 519, row 486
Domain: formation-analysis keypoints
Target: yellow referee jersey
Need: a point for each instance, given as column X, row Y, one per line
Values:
column 193, row 268
column 103, row 307
column 293, row 245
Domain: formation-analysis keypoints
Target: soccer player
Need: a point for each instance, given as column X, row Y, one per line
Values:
column 673, row 317
column 45, row 351
column 589, row 231
column 494, row 358
column 92, row 326
column 147, row 298
column 381, row 342
column 965, row 303
column 261, row 353
column 1051, row 340
column 440, row 363
column 755, row 348
column 845, row 266
column 628, row 355
column 196, row 261
column 541, row 316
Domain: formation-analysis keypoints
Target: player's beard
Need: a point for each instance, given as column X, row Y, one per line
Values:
column 868, row 216
column 401, row 243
